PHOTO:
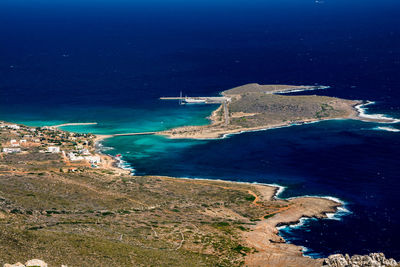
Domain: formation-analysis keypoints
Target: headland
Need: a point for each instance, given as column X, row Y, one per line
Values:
column 64, row 206
column 253, row 107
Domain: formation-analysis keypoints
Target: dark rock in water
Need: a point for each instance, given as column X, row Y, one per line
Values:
column 371, row 260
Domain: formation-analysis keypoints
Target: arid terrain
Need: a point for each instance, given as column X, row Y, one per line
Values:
column 254, row 107
column 80, row 214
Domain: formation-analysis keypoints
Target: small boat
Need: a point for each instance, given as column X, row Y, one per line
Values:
column 118, row 155
column 193, row 101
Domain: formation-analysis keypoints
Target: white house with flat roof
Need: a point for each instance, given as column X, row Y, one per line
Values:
column 53, row 149
column 93, row 159
column 73, row 157
column 14, row 143
column 10, row 150
column 13, row 126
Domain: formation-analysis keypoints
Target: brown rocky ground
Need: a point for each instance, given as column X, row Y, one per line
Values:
column 254, row 107
column 97, row 217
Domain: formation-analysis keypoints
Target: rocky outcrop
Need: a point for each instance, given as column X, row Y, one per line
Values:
column 371, row 260
column 30, row 263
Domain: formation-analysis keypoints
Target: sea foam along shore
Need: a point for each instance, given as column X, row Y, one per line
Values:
column 302, row 90
column 388, row 129
column 380, row 118
column 341, row 211
column 224, row 136
column 118, row 161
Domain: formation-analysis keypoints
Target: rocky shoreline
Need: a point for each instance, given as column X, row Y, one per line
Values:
column 371, row 260
column 335, row 260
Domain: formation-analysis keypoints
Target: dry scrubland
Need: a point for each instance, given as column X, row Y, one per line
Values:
column 70, row 213
column 255, row 106
column 80, row 214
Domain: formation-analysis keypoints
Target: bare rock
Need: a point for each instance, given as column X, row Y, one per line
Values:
column 371, row 260
column 36, row 263
column 18, row 264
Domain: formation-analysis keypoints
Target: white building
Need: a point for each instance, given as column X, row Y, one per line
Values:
column 93, row 159
column 13, row 126
column 53, row 149
column 73, row 157
column 14, row 143
column 84, row 151
column 11, row 150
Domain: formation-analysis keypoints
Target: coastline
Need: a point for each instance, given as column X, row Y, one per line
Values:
column 109, row 162
column 226, row 133
column 320, row 207
column 358, row 113
column 379, row 118
column 264, row 233
column 72, row 124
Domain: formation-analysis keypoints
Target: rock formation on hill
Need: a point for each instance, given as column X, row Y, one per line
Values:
column 371, row 260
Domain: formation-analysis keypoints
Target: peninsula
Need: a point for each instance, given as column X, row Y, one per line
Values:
column 63, row 203
column 256, row 107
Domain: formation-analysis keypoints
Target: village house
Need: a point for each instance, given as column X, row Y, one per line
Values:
column 13, row 126
column 93, row 159
column 11, row 150
column 14, row 143
column 53, row 149
column 84, row 151
column 73, row 157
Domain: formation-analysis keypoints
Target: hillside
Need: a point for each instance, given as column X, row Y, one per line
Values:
column 69, row 212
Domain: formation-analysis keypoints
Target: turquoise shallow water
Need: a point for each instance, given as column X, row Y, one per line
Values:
column 114, row 120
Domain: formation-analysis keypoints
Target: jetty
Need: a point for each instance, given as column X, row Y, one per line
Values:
column 198, row 99
column 71, row 124
column 128, row 134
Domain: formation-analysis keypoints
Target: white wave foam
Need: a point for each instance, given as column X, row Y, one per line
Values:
column 388, row 129
column 301, row 90
column 381, row 118
column 106, row 148
column 125, row 165
column 337, row 216
column 299, row 224
column 268, row 128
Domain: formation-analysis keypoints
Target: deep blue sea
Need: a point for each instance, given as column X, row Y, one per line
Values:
column 109, row 61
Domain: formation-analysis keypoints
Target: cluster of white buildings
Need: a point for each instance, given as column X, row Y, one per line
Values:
column 10, row 126
column 80, row 154
column 90, row 158
column 14, row 146
column 15, row 143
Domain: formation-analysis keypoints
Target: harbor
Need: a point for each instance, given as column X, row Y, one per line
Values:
column 198, row 99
